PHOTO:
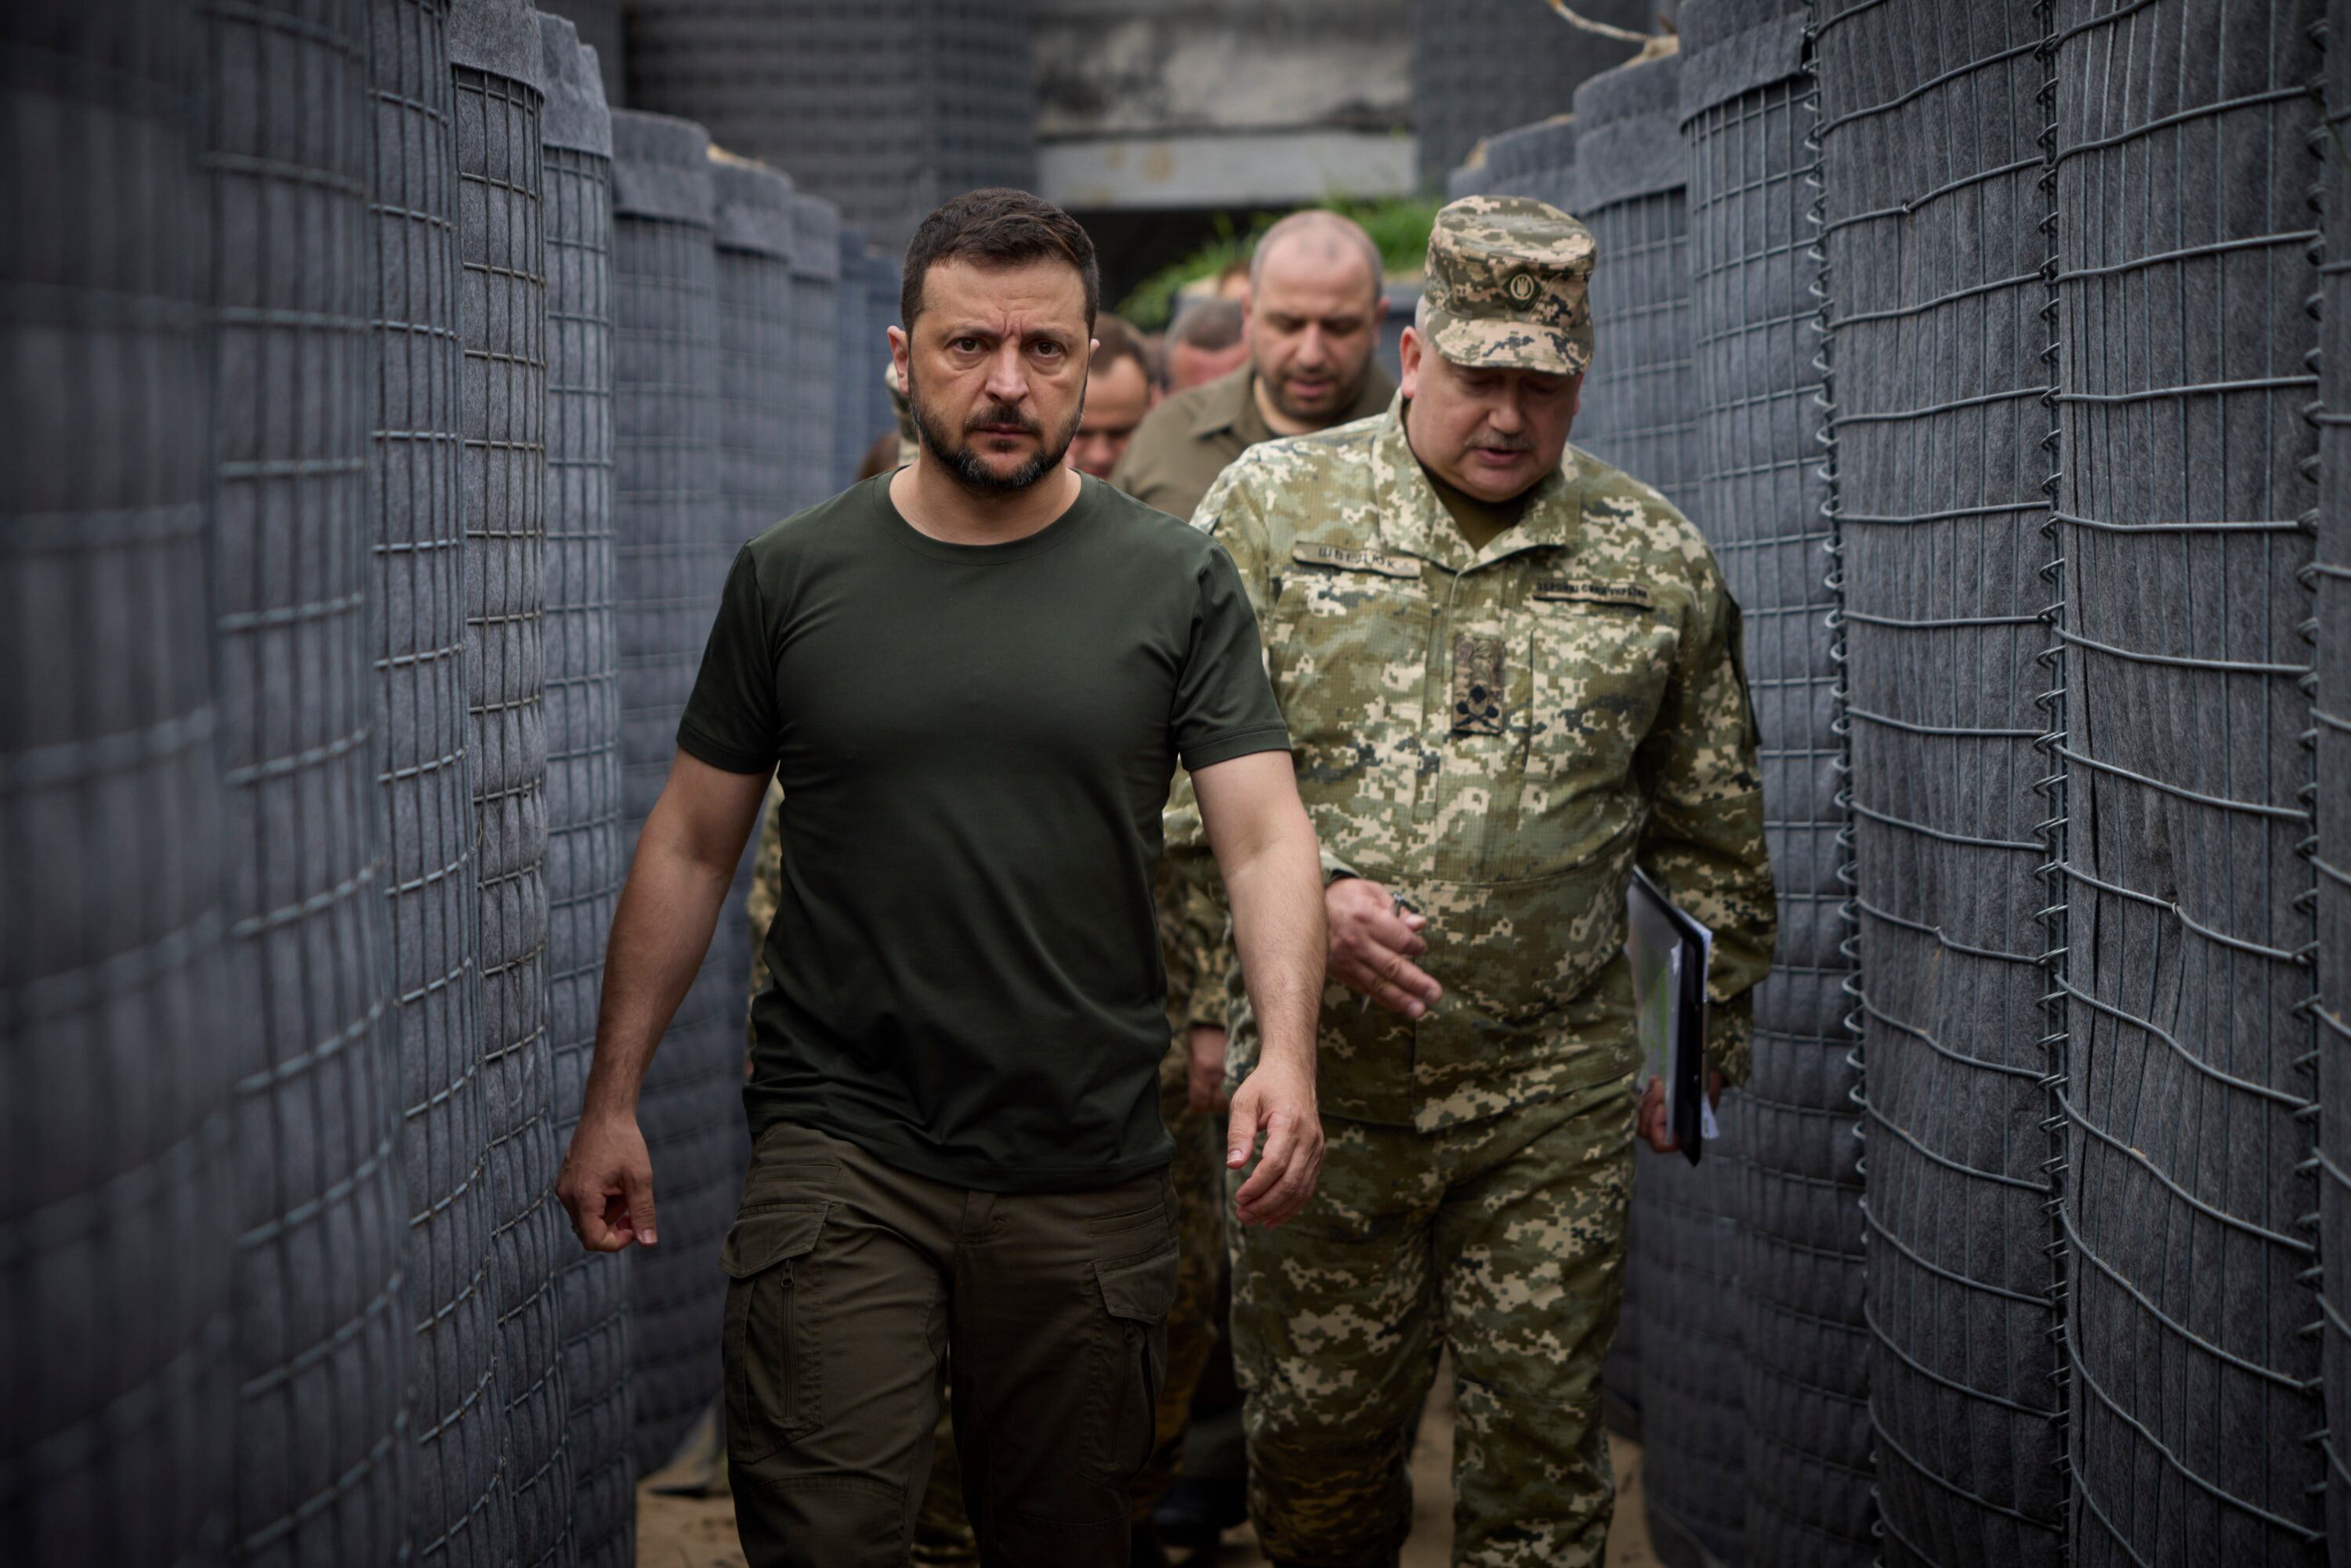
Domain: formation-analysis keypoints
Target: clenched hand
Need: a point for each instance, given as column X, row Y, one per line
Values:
column 607, row 1183
column 1277, row 1100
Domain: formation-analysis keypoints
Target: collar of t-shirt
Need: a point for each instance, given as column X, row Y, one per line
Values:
column 1480, row 522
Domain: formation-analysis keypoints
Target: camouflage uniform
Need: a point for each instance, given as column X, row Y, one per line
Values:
column 1497, row 737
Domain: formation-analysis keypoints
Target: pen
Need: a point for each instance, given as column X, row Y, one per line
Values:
column 1395, row 902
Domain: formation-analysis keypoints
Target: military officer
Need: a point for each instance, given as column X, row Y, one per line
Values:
column 1512, row 674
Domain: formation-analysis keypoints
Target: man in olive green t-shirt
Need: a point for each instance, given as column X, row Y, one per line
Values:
column 975, row 677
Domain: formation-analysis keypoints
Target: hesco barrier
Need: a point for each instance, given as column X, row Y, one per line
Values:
column 423, row 757
column 319, row 1218
column 861, row 397
column 816, row 346
column 1536, row 161
column 1479, row 65
column 583, row 757
column 1639, row 413
column 495, row 51
column 666, row 512
column 2184, row 258
column 795, row 83
column 1930, row 124
column 2331, row 733
column 602, row 26
column 114, row 1294
column 1747, row 114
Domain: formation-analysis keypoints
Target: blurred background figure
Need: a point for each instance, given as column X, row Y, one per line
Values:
column 1210, row 339
column 1118, row 395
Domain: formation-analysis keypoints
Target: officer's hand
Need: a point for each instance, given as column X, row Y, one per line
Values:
column 1204, row 1087
column 1372, row 946
column 1652, row 1119
column 1277, row 1100
column 607, row 1183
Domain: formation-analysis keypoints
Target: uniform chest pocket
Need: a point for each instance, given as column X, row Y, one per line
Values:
column 1601, row 671
column 1350, row 653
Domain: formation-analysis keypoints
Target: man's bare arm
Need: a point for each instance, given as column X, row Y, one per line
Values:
column 1265, row 851
column 676, row 887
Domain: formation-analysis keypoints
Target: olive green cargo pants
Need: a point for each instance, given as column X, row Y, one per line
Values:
column 1502, row 1239
column 849, row 1283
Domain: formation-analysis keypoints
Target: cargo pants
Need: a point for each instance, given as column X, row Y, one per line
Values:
column 1501, row 1240
column 849, row 1280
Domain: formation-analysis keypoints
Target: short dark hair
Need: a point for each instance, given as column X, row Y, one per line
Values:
column 1119, row 341
column 998, row 226
column 1210, row 324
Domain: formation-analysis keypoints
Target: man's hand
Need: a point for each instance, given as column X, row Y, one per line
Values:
column 1204, row 1087
column 1372, row 946
column 1279, row 1101
column 1651, row 1121
column 607, row 1183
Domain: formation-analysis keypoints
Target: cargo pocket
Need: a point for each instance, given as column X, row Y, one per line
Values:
column 1136, row 1293
column 774, row 1392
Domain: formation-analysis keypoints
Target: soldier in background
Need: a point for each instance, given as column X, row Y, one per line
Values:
column 1314, row 311
column 1510, row 679
column 1210, row 341
column 1118, row 395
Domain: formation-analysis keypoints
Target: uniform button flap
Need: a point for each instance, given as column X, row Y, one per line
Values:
column 765, row 1238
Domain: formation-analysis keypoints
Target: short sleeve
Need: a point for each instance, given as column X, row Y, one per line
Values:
column 1224, row 705
column 730, row 720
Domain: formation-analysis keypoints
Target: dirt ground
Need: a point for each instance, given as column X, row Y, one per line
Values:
column 699, row 1533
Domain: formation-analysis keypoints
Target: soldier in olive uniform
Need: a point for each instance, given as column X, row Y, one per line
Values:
column 1512, row 674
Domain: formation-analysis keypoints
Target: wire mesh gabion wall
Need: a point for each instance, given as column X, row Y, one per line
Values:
column 816, row 346
column 581, row 649
column 114, row 1293
column 1536, row 161
column 1932, row 173
column 1639, row 415
column 424, row 759
column 1479, row 65
column 2183, row 263
column 495, row 52
column 1747, row 114
column 860, row 400
column 666, row 513
column 2331, row 736
column 320, row 1221
column 794, row 84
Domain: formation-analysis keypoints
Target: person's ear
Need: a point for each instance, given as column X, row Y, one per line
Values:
column 1408, row 352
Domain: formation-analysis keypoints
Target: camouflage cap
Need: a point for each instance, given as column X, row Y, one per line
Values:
column 1508, row 282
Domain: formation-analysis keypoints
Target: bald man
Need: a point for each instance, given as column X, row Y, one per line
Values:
column 1315, row 308
column 1210, row 339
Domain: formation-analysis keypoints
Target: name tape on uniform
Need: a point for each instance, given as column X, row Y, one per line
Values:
column 1356, row 559
column 1593, row 591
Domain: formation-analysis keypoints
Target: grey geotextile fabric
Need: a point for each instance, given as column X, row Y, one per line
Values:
column 2331, row 727
column 582, row 642
column 118, row 1050
column 1761, row 501
column 320, row 1215
column 2185, row 263
column 1934, row 198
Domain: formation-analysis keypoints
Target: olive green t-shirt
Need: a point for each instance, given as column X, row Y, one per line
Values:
column 975, row 743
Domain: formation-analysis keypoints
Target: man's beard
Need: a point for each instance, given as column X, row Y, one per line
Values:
column 1343, row 394
column 967, row 467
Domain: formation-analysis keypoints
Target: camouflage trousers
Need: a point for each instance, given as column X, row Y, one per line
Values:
column 1501, row 1240
column 1198, row 1172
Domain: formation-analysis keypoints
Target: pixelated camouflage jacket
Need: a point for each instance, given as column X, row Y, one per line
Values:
column 1498, row 736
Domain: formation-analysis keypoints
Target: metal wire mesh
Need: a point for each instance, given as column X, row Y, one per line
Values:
column 1932, row 180
column 1761, row 501
column 2183, row 241
column 1480, row 65
column 793, row 83
column 583, row 759
column 503, row 245
column 816, row 347
column 423, row 760
column 114, row 1046
column 861, row 401
column 2331, row 734
column 666, row 511
column 320, row 1221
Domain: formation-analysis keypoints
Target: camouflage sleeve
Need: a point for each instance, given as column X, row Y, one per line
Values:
column 767, row 888
column 1704, row 840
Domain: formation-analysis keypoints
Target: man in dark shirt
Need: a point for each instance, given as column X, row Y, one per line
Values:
column 975, row 678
